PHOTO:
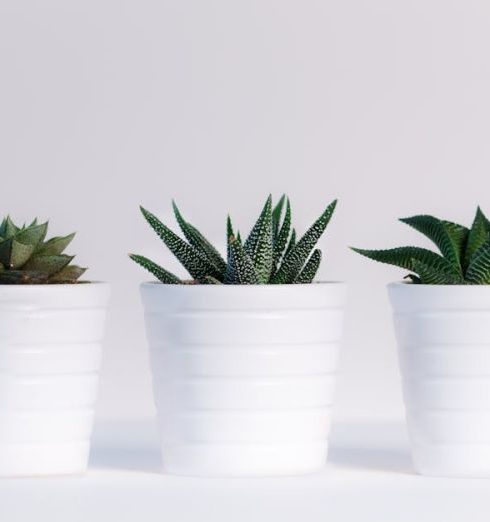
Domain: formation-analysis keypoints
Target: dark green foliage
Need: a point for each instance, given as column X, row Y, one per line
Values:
column 269, row 255
column 26, row 258
column 464, row 253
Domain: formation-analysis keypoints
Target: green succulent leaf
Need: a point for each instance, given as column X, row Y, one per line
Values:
column 68, row 274
column 22, row 277
column 307, row 275
column 197, row 240
column 478, row 235
column 33, row 235
column 13, row 254
column 281, row 239
column 48, row 264
column 405, row 257
column 55, row 245
column 160, row 273
column 440, row 234
column 434, row 275
column 294, row 260
column 276, row 216
column 478, row 272
column 259, row 243
column 240, row 269
column 26, row 259
column 193, row 261
column 8, row 228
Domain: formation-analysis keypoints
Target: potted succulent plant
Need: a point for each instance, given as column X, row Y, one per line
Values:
column 50, row 332
column 244, row 354
column 442, row 323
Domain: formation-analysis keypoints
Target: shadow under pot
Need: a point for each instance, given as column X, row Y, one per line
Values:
column 244, row 375
column 50, row 351
column 443, row 334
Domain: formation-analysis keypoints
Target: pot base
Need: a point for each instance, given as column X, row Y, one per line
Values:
column 36, row 460
column 452, row 460
column 244, row 460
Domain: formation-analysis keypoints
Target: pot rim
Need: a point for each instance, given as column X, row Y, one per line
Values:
column 150, row 284
column 81, row 284
column 402, row 284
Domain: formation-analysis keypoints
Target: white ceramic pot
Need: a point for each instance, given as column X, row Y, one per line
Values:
column 244, row 376
column 443, row 335
column 50, row 354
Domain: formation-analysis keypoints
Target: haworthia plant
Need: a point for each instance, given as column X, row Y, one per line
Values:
column 269, row 255
column 463, row 258
column 27, row 258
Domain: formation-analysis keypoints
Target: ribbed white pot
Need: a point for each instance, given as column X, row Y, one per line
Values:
column 244, row 376
column 50, row 354
column 443, row 335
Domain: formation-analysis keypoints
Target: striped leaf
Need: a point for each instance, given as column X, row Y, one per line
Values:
column 193, row 261
column 478, row 272
column 240, row 269
column 429, row 275
column 197, row 240
column 440, row 235
column 311, row 268
column 259, row 243
column 478, row 235
column 295, row 259
column 405, row 257
column 160, row 273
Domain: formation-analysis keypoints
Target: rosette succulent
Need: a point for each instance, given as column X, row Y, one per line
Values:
column 270, row 254
column 464, row 257
column 26, row 257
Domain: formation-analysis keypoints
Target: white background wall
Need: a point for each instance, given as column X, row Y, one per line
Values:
column 108, row 104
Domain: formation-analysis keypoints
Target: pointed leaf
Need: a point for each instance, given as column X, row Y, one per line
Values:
column 478, row 272
column 283, row 236
column 197, row 240
column 194, row 262
column 404, row 257
column 32, row 235
column 160, row 273
column 55, row 245
column 259, row 243
column 9, row 228
column 14, row 255
column 297, row 256
column 459, row 236
column 69, row 274
column 276, row 216
column 310, row 269
column 434, row 229
column 240, row 269
column 48, row 264
column 478, row 235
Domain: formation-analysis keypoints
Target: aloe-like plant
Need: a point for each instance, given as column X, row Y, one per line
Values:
column 269, row 255
column 464, row 252
column 27, row 258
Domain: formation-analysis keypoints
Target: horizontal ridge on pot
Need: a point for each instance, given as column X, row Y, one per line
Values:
column 50, row 353
column 244, row 376
column 444, row 351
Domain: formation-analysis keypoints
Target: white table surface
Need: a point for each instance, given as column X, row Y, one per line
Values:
column 368, row 478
